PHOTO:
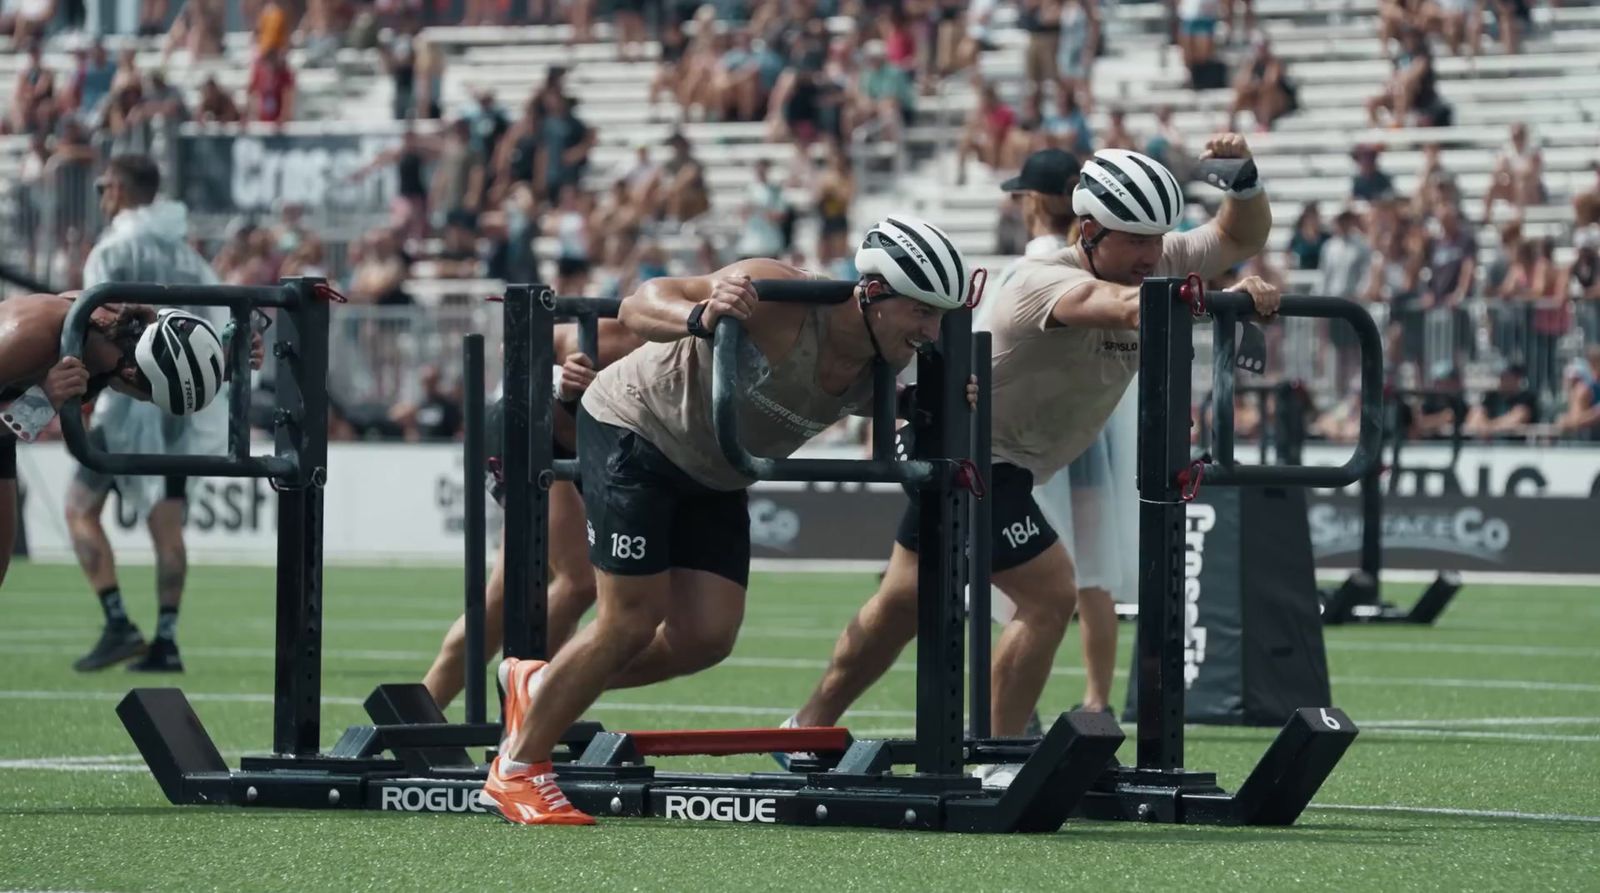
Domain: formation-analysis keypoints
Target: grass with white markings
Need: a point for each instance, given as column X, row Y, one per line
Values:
column 1475, row 768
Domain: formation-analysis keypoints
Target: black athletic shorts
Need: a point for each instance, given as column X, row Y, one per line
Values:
column 1020, row 532
column 647, row 516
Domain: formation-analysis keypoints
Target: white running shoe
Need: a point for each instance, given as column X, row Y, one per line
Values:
column 783, row 759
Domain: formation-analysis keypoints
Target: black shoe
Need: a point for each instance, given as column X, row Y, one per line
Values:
column 1106, row 709
column 117, row 644
column 161, row 658
column 1034, row 728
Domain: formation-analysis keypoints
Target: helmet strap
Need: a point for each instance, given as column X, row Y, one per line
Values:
column 871, row 290
column 1088, row 244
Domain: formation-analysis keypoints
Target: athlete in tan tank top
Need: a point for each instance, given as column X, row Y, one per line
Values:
column 668, row 527
column 1065, row 332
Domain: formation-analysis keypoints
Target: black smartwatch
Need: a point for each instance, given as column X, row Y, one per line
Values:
column 696, row 327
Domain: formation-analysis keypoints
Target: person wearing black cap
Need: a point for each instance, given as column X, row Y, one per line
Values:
column 1089, row 503
column 1045, row 185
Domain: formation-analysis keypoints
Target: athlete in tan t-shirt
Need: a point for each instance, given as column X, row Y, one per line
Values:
column 669, row 533
column 1065, row 331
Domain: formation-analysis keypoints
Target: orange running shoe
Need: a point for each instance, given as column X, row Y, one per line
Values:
column 516, row 690
column 529, row 798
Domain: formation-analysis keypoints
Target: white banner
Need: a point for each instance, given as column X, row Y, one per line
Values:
column 404, row 503
column 399, row 503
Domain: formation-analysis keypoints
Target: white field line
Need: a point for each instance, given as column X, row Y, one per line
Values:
column 1464, row 813
column 814, row 664
column 45, row 634
column 1482, row 721
column 1398, row 728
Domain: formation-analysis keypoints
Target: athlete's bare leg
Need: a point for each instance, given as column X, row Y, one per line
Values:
column 571, row 593
column 1097, row 625
column 700, row 629
column 1045, row 596
column 869, row 646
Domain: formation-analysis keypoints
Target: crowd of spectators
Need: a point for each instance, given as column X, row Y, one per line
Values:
column 490, row 192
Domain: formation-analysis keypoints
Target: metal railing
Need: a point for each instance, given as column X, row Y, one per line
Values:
column 377, row 352
column 1480, row 336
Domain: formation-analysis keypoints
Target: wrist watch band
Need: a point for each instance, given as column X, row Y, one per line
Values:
column 695, row 326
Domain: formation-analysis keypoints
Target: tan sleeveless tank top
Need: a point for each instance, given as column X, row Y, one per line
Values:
column 662, row 392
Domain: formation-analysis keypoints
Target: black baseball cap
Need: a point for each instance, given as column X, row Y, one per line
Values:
column 1047, row 171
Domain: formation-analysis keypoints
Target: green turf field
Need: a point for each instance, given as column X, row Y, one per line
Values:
column 1478, row 766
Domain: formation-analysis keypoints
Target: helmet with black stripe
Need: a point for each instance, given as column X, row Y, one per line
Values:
column 917, row 260
column 1128, row 192
column 182, row 357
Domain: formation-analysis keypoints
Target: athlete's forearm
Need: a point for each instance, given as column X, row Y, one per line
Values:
column 1103, row 305
column 659, row 309
column 1246, row 223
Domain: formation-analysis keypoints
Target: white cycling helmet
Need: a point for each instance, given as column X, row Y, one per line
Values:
column 183, row 358
column 918, row 261
column 1128, row 192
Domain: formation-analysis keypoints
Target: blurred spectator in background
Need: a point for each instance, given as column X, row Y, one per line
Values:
column 1411, row 96
column 1197, row 37
column 1452, row 259
column 1498, row 268
column 198, row 29
column 987, row 133
column 1586, row 204
column 569, row 224
column 1263, row 88
column 91, row 83
column 564, row 145
column 737, row 84
column 1167, row 145
column 835, row 193
column 1305, row 244
column 458, row 173
column 270, row 95
column 1506, row 411
column 152, row 17
column 762, row 216
column 1346, row 257
column 415, row 68
column 1068, row 127
column 24, row 20
column 1435, row 185
column 1526, row 276
column 683, row 195
column 1440, row 412
column 1582, row 415
column 381, row 268
column 246, row 256
column 1078, row 48
column 1518, row 174
column 435, row 414
column 628, row 16
column 1041, row 19
column 1371, row 183
column 516, row 155
column 35, row 87
column 1397, row 265
column 408, row 211
column 216, row 106
column 272, row 28
column 1581, row 279
column 489, row 126
column 670, row 68
column 1230, row 17
column 458, row 251
column 888, row 96
column 1117, row 135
